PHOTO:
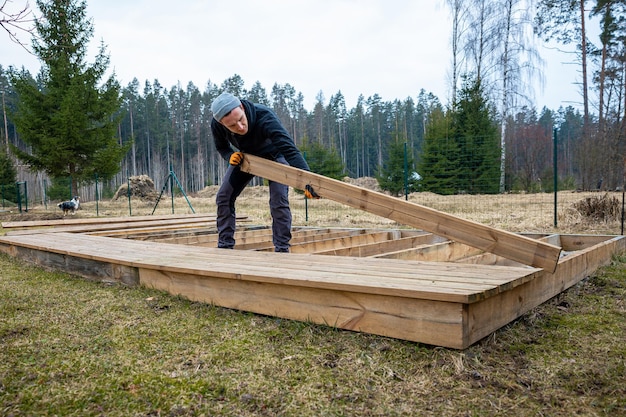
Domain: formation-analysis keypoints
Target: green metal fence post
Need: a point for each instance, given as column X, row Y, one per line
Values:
column 19, row 197
column 45, row 193
column 130, row 209
column 306, row 200
column 406, row 173
column 26, row 195
column 171, row 180
column 556, row 178
column 97, row 211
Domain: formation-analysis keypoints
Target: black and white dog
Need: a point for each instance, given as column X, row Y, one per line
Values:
column 70, row 206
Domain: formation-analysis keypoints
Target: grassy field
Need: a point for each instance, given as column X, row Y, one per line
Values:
column 70, row 347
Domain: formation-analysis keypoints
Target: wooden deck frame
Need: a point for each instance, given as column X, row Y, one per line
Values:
column 433, row 290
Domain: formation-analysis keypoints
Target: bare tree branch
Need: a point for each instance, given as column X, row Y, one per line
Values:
column 16, row 22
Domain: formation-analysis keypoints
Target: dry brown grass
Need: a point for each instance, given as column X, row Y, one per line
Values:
column 513, row 212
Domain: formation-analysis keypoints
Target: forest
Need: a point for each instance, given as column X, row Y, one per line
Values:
column 490, row 138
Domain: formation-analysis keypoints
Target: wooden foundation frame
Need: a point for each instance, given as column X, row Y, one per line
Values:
column 405, row 284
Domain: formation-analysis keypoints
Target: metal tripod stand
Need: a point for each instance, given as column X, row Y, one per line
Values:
column 169, row 181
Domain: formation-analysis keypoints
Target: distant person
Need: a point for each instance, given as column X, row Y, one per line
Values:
column 255, row 129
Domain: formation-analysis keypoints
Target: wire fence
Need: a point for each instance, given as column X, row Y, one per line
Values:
column 596, row 212
column 559, row 212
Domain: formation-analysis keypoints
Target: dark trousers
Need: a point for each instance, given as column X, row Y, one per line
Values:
column 233, row 184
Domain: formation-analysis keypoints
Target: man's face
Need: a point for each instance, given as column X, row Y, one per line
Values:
column 236, row 121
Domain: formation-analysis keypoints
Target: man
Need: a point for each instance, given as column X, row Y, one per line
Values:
column 255, row 129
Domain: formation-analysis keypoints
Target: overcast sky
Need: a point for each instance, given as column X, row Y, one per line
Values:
column 392, row 48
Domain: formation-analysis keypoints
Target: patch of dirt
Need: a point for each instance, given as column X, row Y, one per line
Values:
column 16, row 216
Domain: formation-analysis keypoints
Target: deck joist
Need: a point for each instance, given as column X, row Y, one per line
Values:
column 406, row 284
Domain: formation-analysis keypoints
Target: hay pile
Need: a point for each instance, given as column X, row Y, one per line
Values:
column 601, row 208
column 208, row 192
column 365, row 182
column 141, row 187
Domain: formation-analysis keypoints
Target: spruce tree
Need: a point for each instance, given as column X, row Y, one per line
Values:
column 439, row 162
column 476, row 134
column 324, row 161
column 8, row 177
column 68, row 117
column 392, row 177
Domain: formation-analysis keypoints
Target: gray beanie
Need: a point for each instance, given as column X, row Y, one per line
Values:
column 224, row 104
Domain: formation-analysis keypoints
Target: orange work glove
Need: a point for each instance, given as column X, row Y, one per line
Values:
column 309, row 192
column 236, row 158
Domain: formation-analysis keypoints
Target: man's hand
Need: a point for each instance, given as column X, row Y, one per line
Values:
column 309, row 192
column 236, row 158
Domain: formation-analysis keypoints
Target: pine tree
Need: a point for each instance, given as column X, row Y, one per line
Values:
column 67, row 118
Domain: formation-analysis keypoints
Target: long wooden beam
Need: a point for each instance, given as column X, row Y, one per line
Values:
column 499, row 242
column 73, row 221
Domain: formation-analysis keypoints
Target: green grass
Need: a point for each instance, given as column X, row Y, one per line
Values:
column 71, row 347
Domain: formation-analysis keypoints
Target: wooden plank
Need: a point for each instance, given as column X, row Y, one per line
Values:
column 338, row 243
column 335, row 243
column 263, row 234
column 121, row 225
column 146, row 231
column 94, row 220
column 489, row 259
column 447, row 251
column 426, row 321
column 509, row 245
column 103, row 271
column 245, row 234
column 263, row 241
column 578, row 242
column 153, row 234
column 199, row 236
column 379, row 249
column 304, row 236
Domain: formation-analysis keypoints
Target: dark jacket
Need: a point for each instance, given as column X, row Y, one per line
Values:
column 266, row 137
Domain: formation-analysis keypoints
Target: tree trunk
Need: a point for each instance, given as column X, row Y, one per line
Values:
column 6, row 127
column 583, row 45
